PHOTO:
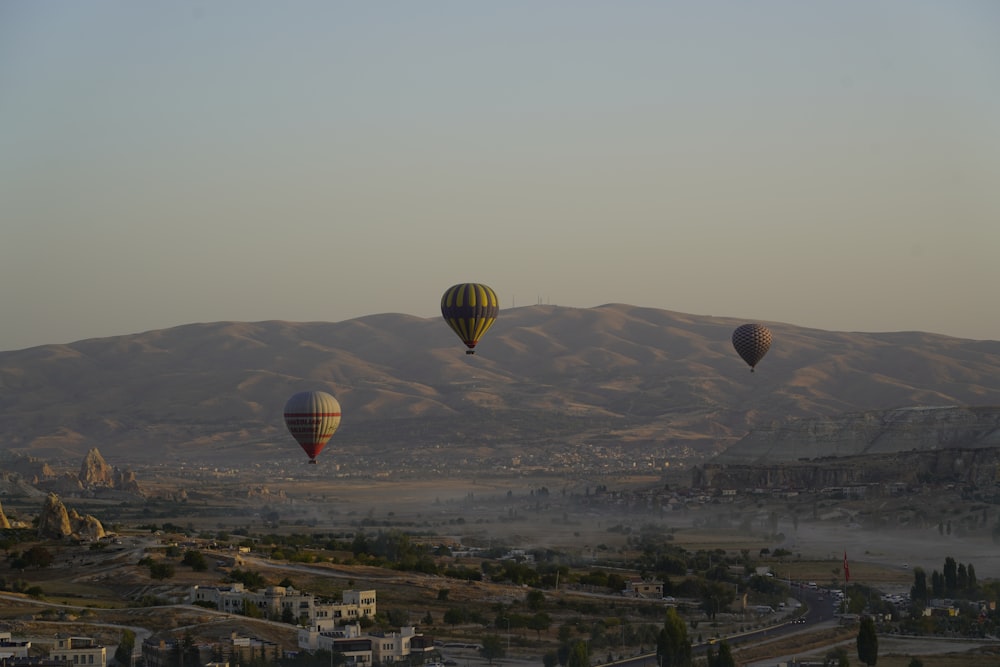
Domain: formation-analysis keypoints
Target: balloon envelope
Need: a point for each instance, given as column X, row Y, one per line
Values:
column 312, row 417
column 752, row 341
column 470, row 309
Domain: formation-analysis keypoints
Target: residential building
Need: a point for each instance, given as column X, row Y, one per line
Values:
column 348, row 640
column 643, row 588
column 79, row 651
column 390, row 647
column 16, row 661
column 13, row 648
column 275, row 601
column 377, row 648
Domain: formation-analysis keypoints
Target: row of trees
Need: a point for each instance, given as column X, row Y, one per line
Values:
column 956, row 580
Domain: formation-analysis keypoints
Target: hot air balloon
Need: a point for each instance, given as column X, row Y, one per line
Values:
column 312, row 417
column 470, row 309
column 752, row 342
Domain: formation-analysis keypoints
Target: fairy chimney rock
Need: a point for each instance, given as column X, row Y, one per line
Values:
column 95, row 471
column 56, row 522
column 53, row 522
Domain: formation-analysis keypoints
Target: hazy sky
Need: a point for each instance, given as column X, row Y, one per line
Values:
column 827, row 164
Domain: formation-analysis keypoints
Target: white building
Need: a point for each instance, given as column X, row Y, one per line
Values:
column 80, row 651
column 354, row 606
column 274, row 601
column 390, row 647
column 361, row 649
column 13, row 648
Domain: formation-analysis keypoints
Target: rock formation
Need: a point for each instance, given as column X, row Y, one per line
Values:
column 876, row 432
column 27, row 467
column 55, row 522
column 261, row 492
column 95, row 471
column 96, row 477
column 971, row 468
column 877, row 449
column 4, row 523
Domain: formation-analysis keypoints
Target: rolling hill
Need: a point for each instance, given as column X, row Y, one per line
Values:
column 615, row 375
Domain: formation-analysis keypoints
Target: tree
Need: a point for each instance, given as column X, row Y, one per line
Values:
column 937, row 584
column 673, row 648
column 579, row 654
column 837, row 658
column 539, row 622
column 867, row 642
column 195, row 560
column 123, row 654
column 950, row 576
column 158, row 570
column 492, row 648
column 724, row 657
column 397, row 617
column 916, row 662
column 715, row 597
column 248, row 578
column 535, row 600
column 454, row 616
column 918, row 593
column 250, row 610
column 323, row 657
column 36, row 556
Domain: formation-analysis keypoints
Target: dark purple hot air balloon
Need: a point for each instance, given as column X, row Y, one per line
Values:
column 752, row 342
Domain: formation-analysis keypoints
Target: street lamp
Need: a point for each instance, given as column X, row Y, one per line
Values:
column 508, row 633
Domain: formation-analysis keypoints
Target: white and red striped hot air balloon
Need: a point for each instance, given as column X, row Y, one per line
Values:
column 312, row 417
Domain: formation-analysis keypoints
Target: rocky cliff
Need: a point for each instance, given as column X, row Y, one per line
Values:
column 875, row 432
column 26, row 475
column 26, row 467
column 56, row 522
column 970, row 468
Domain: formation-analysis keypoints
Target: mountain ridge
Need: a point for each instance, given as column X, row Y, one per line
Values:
column 614, row 374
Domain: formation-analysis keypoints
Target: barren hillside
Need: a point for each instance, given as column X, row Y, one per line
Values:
column 615, row 375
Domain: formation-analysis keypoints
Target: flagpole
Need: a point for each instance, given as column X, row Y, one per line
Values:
column 847, row 580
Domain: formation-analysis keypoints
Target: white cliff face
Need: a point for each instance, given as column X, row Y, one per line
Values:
column 878, row 432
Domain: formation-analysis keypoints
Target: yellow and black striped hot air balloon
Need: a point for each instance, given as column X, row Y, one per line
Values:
column 470, row 309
